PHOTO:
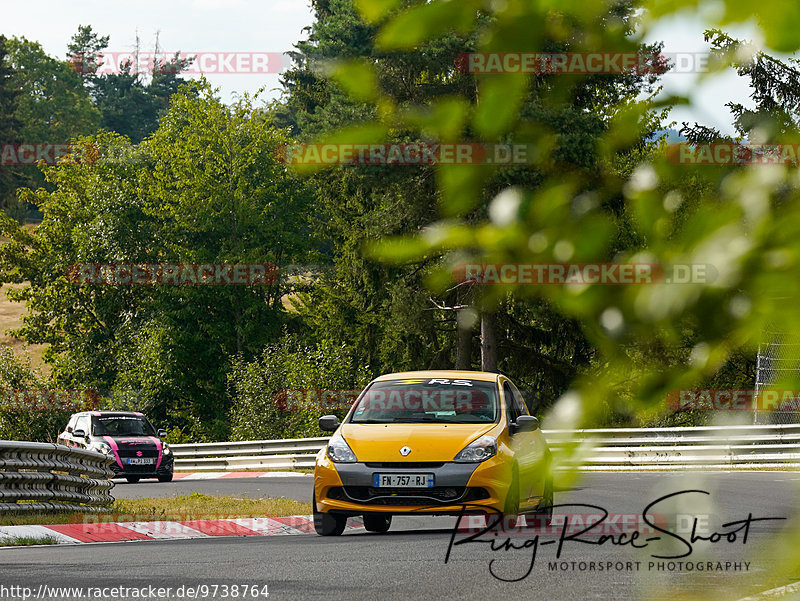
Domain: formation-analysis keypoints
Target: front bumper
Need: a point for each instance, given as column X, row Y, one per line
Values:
column 145, row 471
column 347, row 488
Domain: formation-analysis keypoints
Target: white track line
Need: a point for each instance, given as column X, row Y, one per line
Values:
column 775, row 593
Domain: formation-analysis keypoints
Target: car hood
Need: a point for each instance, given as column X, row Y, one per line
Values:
column 428, row 442
column 132, row 442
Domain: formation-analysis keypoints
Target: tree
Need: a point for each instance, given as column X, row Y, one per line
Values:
column 205, row 189
column 20, row 417
column 130, row 101
column 775, row 88
column 132, row 107
column 52, row 108
column 628, row 203
column 10, row 177
column 222, row 196
column 300, row 376
column 85, row 51
column 387, row 310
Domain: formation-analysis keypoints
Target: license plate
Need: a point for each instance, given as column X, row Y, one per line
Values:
column 140, row 461
column 402, row 480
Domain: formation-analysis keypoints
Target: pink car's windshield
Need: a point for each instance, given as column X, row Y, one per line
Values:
column 121, row 426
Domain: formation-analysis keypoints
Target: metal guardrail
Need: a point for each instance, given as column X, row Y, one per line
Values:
column 688, row 448
column 43, row 477
column 618, row 449
column 256, row 454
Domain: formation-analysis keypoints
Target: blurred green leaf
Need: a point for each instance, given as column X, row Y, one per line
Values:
column 365, row 133
column 444, row 119
column 461, row 186
column 780, row 22
column 500, row 99
column 358, row 79
column 426, row 21
column 397, row 250
column 374, row 10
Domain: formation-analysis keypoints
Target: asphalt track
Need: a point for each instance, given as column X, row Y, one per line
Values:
column 409, row 561
column 298, row 488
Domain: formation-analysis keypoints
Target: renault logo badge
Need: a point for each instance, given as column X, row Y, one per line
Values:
column 405, row 451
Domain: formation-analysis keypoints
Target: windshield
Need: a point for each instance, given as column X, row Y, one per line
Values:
column 437, row 400
column 121, row 426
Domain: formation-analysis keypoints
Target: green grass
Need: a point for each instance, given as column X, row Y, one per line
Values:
column 195, row 506
column 27, row 541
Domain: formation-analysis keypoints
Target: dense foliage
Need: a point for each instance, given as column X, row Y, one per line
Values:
column 180, row 177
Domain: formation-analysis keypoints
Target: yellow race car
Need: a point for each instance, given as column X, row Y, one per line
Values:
column 434, row 443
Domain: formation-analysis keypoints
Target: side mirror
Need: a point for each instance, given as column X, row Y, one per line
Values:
column 525, row 423
column 79, row 433
column 328, row 423
column 162, row 433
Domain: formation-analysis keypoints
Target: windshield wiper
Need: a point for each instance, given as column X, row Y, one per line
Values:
column 399, row 421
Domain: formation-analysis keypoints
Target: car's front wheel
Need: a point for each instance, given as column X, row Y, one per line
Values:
column 377, row 523
column 544, row 513
column 508, row 519
column 165, row 477
column 327, row 524
column 510, row 515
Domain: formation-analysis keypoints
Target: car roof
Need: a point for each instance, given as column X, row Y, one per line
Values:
column 485, row 376
column 111, row 413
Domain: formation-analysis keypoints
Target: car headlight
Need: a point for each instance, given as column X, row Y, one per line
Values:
column 478, row 450
column 102, row 447
column 165, row 449
column 339, row 451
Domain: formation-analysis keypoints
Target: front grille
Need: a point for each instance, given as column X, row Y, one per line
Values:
column 135, row 453
column 138, row 468
column 406, row 464
column 445, row 495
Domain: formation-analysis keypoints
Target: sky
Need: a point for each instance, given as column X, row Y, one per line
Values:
column 273, row 26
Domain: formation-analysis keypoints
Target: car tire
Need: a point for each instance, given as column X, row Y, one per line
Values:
column 165, row 477
column 510, row 515
column 377, row 523
column 327, row 524
column 132, row 479
column 544, row 514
